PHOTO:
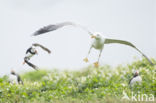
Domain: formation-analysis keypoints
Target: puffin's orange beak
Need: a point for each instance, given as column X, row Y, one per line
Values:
column 93, row 36
column 23, row 62
column 136, row 73
column 36, row 52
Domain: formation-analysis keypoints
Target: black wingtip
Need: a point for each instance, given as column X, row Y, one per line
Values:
column 49, row 52
column 34, row 34
column 36, row 68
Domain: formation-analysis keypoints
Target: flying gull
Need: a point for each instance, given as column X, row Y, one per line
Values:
column 98, row 40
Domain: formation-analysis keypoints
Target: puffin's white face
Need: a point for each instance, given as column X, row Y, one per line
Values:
column 136, row 72
column 13, row 72
column 33, row 49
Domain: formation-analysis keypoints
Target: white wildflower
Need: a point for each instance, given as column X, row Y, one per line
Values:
column 83, row 79
column 123, row 84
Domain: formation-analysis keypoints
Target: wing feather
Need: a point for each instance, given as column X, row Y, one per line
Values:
column 43, row 47
column 32, row 65
column 53, row 27
column 110, row 41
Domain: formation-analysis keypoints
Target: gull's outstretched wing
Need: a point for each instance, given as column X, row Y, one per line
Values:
column 110, row 41
column 43, row 47
column 57, row 26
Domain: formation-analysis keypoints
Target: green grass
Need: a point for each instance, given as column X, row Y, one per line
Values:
column 90, row 85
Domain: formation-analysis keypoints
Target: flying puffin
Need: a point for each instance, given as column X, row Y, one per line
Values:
column 15, row 78
column 136, row 78
column 30, row 52
column 98, row 40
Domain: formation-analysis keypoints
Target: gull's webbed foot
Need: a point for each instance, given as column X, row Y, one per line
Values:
column 85, row 60
column 96, row 64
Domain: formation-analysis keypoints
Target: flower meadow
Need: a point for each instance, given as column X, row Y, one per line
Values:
column 104, row 84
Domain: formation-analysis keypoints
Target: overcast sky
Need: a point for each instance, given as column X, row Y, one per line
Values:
column 132, row 20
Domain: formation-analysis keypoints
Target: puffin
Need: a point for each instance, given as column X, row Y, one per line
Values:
column 15, row 78
column 31, row 51
column 98, row 40
column 136, row 78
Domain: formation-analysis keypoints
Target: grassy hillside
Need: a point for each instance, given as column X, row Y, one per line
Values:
column 93, row 85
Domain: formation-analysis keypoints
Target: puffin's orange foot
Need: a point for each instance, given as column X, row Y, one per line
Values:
column 85, row 60
column 96, row 64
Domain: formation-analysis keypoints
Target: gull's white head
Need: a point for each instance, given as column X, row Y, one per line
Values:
column 96, row 35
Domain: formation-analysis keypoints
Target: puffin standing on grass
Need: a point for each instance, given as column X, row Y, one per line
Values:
column 98, row 43
column 31, row 52
column 136, row 79
column 15, row 78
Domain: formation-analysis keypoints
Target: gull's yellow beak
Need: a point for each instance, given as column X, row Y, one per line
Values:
column 93, row 36
column 85, row 60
